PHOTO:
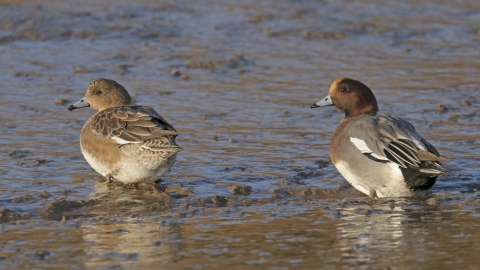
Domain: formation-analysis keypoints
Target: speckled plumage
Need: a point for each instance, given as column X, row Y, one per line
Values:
column 132, row 144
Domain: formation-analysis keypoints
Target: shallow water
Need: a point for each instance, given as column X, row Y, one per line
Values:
column 243, row 116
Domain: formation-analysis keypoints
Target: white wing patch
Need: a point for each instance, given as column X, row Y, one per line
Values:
column 362, row 146
column 121, row 141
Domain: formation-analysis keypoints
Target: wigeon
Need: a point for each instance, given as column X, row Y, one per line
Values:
column 124, row 142
column 379, row 155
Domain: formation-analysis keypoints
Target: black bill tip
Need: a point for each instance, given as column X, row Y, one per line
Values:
column 71, row 108
column 314, row 106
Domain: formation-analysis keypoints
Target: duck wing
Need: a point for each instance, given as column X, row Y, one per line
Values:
column 387, row 138
column 132, row 124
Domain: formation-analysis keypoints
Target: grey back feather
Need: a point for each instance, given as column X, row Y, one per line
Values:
column 397, row 140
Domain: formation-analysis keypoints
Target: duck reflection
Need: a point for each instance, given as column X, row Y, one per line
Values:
column 131, row 243
column 403, row 233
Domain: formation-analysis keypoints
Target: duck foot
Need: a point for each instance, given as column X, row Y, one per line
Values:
column 373, row 194
column 155, row 187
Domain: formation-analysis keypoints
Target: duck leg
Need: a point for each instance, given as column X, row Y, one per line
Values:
column 373, row 194
column 156, row 187
column 109, row 181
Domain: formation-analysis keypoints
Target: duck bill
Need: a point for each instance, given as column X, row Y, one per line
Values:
column 82, row 103
column 326, row 101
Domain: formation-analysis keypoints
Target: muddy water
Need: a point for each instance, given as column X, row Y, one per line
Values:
column 254, row 187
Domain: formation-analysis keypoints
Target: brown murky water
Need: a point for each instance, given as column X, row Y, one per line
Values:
column 251, row 70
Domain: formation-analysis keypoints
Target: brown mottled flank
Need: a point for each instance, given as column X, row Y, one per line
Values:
column 105, row 148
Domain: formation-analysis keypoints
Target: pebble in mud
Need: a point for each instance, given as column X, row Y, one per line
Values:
column 306, row 34
column 453, row 117
column 468, row 101
column 362, row 211
column 178, row 191
column 45, row 194
column 247, row 202
column 157, row 243
column 443, row 108
column 203, row 65
column 391, row 205
column 60, row 101
column 233, row 62
column 22, row 199
column 7, row 215
column 195, row 211
column 41, row 162
column 322, row 163
column 431, row 201
column 181, row 214
column 241, row 190
column 79, row 69
column 264, row 200
column 266, row 32
column 176, row 73
column 22, row 74
column 264, row 17
column 122, row 69
column 39, row 255
column 16, row 154
column 219, row 200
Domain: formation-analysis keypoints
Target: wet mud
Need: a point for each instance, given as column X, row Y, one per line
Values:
column 254, row 187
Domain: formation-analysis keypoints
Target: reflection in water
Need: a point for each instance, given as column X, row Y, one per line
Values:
column 365, row 236
column 408, row 236
column 207, row 241
column 304, row 235
column 131, row 243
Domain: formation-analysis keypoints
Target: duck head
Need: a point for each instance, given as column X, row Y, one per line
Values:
column 351, row 96
column 102, row 94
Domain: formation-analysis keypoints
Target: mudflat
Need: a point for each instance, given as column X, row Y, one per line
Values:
column 254, row 187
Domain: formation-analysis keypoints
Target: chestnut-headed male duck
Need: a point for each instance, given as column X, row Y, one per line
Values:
column 379, row 155
column 123, row 142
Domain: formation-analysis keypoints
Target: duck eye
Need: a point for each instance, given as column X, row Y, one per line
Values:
column 98, row 92
column 344, row 89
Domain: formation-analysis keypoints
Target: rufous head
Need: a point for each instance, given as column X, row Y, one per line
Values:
column 350, row 96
